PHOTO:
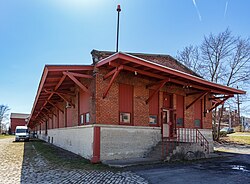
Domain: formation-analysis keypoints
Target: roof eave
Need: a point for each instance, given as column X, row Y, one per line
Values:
column 125, row 56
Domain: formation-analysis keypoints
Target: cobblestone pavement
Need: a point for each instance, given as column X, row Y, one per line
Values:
column 15, row 168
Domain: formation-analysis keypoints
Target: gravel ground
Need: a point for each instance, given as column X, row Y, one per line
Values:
column 23, row 164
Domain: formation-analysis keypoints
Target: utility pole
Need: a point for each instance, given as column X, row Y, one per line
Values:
column 238, row 104
column 230, row 119
column 118, row 22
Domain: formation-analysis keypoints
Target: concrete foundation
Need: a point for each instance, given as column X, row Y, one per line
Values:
column 122, row 142
column 78, row 140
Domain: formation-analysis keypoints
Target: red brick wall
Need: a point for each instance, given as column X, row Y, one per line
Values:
column 16, row 122
column 107, row 110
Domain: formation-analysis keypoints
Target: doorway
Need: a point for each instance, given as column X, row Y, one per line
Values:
column 167, row 123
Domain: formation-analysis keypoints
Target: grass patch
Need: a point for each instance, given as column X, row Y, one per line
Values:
column 239, row 137
column 6, row 136
column 65, row 158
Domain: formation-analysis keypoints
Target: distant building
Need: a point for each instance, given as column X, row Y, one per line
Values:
column 18, row 119
column 230, row 117
column 245, row 123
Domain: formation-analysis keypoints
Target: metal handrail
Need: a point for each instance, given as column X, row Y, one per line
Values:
column 184, row 135
column 203, row 140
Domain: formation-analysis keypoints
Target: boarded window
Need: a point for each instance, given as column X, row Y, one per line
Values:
column 179, row 111
column 125, row 103
column 84, row 106
column 167, row 100
column 153, row 108
column 69, row 112
column 198, row 114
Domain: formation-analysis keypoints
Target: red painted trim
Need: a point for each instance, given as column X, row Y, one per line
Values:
column 121, row 105
column 96, row 145
column 109, row 74
column 198, row 98
column 77, row 82
column 79, row 109
column 42, row 81
column 142, row 72
column 65, row 99
column 157, row 90
column 54, row 105
column 111, row 82
column 218, row 103
column 58, row 119
column 61, row 68
column 140, row 61
column 79, row 75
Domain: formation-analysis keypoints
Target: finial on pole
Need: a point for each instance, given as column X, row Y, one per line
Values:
column 118, row 21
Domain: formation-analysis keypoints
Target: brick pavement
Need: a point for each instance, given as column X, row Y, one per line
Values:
column 15, row 168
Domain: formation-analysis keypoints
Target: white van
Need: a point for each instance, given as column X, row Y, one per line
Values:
column 22, row 133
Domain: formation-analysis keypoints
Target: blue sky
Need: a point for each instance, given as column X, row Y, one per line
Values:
column 38, row 32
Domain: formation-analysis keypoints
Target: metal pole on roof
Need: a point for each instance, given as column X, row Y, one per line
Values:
column 118, row 21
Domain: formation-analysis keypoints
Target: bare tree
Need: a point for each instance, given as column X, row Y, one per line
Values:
column 216, row 49
column 223, row 59
column 190, row 57
column 3, row 114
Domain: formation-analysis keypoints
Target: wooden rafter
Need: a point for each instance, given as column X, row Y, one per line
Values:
column 42, row 120
column 79, row 75
column 62, row 96
column 45, row 114
column 59, row 83
column 118, row 69
column 157, row 90
column 109, row 74
column 65, row 99
column 198, row 98
column 158, row 76
column 154, row 84
column 142, row 72
column 67, row 93
column 216, row 98
column 54, row 105
column 169, row 71
column 50, row 111
column 77, row 82
column 194, row 93
column 220, row 102
column 56, row 87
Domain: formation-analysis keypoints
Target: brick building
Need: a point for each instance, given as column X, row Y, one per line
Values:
column 124, row 104
column 18, row 119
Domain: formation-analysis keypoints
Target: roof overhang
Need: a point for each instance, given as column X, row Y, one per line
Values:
column 54, row 80
column 144, row 67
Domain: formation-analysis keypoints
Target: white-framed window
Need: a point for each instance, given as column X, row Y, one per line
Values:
column 82, row 120
column 87, row 117
column 125, row 117
column 153, row 119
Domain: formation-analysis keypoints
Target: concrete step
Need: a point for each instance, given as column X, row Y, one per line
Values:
column 156, row 152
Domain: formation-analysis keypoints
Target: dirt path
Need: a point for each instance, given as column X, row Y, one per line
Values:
column 11, row 159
